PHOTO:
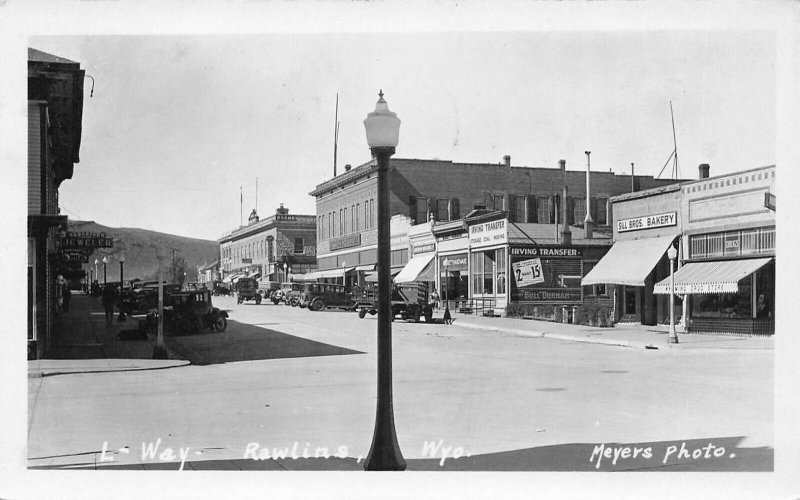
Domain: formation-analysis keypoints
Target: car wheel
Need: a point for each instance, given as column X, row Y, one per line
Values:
column 362, row 313
column 258, row 299
column 220, row 324
column 317, row 305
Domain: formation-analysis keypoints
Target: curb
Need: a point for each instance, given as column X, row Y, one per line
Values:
column 42, row 374
column 560, row 336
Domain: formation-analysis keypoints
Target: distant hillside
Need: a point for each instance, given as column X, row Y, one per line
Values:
column 139, row 248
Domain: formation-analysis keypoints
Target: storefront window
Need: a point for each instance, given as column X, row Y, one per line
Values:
column 488, row 273
column 501, row 271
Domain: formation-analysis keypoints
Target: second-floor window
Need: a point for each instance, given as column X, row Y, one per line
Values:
column 298, row 245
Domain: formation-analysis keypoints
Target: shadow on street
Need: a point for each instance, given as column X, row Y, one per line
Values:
column 244, row 342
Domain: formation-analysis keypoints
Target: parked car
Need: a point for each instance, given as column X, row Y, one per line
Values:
column 247, row 289
column 289, row 294
column 318, row 296
column 266, row 289
column 189, row 312
column 221, row 288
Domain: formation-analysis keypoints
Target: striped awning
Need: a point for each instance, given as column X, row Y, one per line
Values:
column 628, row 262
column 711, row 277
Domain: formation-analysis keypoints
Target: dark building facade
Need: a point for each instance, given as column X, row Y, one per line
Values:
column 55, row 112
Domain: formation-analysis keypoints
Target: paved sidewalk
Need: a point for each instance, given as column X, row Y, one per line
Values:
column 83, row 342
column 621, row 335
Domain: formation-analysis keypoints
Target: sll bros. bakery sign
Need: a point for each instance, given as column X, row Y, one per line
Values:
column 647, row 222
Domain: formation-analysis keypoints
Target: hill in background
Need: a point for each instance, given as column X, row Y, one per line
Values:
column 139, row 248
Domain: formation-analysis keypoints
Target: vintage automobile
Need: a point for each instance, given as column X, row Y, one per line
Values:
column 289, row 294
column 221, row 288
column 267, row 288
column 247, row 289
column 143, row 296
column 189, row 312
column 318, row 296
column 409, row 301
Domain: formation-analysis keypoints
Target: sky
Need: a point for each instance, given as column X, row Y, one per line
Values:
column 178, row 123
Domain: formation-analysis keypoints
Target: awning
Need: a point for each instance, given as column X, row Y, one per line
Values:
column 373, row 277
column 711, row 277
column 233, row 277
column 628, row 262
column 368, row 267
column 331, row 273
column 419, row 268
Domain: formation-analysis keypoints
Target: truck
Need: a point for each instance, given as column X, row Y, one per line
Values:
column 247, row 289
column 409, row 301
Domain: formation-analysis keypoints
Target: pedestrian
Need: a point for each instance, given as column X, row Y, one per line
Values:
column 60, row 283
column 435, row 298
column 108, row 299
column 67, row 295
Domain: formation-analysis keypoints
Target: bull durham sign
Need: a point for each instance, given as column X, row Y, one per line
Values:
column 647, row 222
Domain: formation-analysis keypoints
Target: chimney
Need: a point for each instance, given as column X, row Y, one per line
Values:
column 704, row 169
column 566, row 233
column 507, row 160
column 588, row 223
column 347, row 167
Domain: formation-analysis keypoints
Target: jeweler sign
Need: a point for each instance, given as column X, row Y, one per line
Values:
column 647, row 222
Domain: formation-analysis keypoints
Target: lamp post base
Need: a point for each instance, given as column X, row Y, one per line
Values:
column 673, row 338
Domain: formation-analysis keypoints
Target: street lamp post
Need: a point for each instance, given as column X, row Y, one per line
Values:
column 160, row 351
column 96, row 274
column 121, row 316
column 105, row 262
column 285, row 271
column 447, row 316
column 344, row 273
column 383, row 132
column 672, row 253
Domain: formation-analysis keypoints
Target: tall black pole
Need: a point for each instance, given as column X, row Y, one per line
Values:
column 384, row 453
column 121, row 316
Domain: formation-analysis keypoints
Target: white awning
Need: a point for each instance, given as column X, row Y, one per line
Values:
column 368, row 267
column 332, row 273
column 628, row 262
column 417, row 269
column 711, row 277
column 373, row 277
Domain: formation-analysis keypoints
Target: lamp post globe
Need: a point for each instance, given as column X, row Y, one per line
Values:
column 121, row 316
column 160, row 349
column 383, row 133
column 672, row 254
column 105, row 263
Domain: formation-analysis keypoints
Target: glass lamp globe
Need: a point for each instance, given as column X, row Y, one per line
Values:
column 672, row 253
column 382, row 126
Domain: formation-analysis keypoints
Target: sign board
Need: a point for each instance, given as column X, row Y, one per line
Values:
column 86, row 240
column 430, row 247
column 246, row 260
column 546, row 275
column 527, row 272
column 453, row 263
column 351, row 240
column 488, row 233
column 647, row 222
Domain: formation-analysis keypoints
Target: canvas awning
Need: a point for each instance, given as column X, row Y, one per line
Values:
column 419, row 268
column 711, row 277
column 331, row 273
column 234, row 277
column 373, row 277
column 628, row 262
column 367, row 267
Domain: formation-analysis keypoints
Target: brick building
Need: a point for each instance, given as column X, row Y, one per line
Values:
column 447, row 191
column 55, row 113
column 272, row 248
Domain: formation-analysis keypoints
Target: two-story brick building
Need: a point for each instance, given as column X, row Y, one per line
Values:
column 272, row 248
column 446, row 191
